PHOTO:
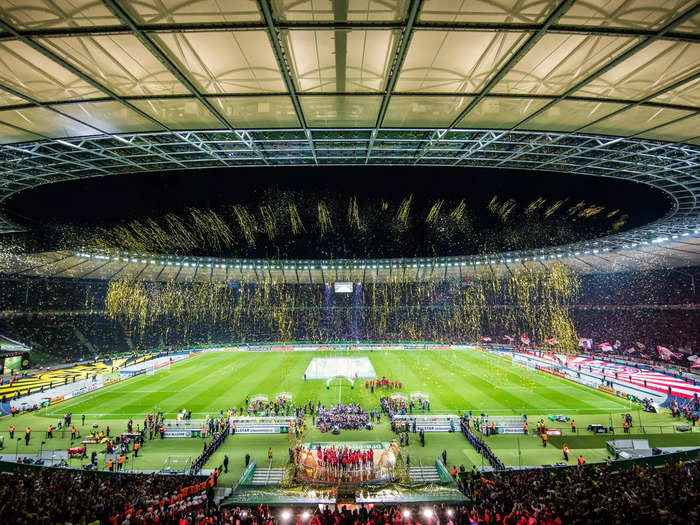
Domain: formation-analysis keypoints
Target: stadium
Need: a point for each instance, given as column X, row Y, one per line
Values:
column 343, row 261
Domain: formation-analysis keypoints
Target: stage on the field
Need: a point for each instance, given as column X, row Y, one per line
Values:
column 327, row 367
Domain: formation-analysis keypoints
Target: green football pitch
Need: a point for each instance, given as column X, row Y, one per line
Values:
column 455, row 380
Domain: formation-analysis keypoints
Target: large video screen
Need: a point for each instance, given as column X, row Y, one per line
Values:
column 343, row 287
column 13, row 363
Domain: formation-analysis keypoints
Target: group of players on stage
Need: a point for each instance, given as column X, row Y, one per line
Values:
column 339, row 464
column 383, row 383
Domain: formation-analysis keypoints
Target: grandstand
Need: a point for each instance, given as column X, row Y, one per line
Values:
column 408, row 261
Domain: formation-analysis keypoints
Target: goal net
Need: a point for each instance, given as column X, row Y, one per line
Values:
column 177, row 465
column 523, row 361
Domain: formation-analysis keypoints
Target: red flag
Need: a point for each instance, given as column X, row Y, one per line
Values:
column 585, row 343
column 666, row 354
column 552, row 341
column 605, row 347
column 525, row 339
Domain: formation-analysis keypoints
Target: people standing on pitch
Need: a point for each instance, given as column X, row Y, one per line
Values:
column 565, row 451
column 444, row 457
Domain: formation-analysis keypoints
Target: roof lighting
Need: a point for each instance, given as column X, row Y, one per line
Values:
column 66, row 143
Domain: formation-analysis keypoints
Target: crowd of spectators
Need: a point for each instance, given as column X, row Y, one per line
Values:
column 639, row 495
column 50, row 496
column 342, row 417
column 67, row 319
column 574, row 495
column 66, row 336
column 651, row 327
column 650, row 287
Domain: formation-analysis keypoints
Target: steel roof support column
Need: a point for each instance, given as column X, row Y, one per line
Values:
column 330, row 25
column 610, row 65
column 552, row 19
column 281, row 60
column 640, row 102
column 77, row 72
column 170, row 66
column 394, row 72
column 155, row 50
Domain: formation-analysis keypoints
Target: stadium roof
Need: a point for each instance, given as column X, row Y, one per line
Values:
column 679, row 252
column 595, row 87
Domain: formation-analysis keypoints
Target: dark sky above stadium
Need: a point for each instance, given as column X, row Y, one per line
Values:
column 500, row 211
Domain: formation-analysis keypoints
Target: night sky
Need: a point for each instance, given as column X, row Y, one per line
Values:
column 96, row 205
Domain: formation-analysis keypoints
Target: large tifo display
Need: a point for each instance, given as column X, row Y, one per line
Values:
column 352, row 367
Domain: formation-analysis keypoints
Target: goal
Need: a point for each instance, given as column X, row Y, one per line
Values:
column 177, row 465
column 522, row 361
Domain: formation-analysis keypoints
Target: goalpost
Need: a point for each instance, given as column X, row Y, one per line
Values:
column 177, row 465
column 524, row 362
column 153, row 368
column 340, row 379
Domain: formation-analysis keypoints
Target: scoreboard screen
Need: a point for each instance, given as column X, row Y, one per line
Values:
column 13, row 363
column 343, row 287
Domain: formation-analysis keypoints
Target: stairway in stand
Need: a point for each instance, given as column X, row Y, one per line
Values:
column 424, row 474
column 267, row 476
